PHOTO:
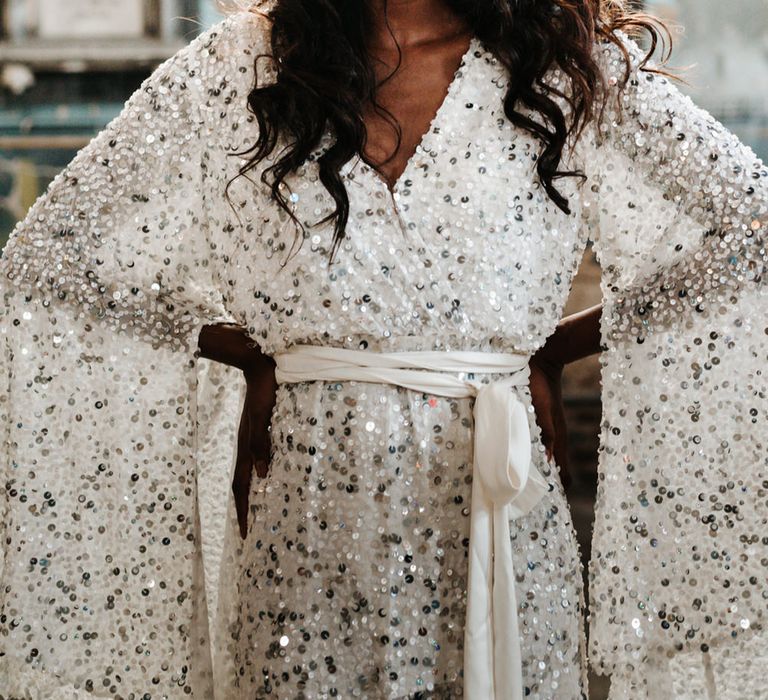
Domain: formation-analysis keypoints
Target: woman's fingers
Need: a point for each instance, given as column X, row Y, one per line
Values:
column 254, row 440
column 546, row 397
column 241, row 482
column 547, row 434
column 542, row 404
column 262, row 467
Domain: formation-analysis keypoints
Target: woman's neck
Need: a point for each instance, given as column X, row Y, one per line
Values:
column 412, row 22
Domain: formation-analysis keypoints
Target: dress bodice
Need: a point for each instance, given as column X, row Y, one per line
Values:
column 466, row 252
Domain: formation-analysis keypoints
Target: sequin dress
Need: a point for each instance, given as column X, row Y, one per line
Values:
column 123, row 572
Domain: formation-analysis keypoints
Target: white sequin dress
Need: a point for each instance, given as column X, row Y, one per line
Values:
column 123, row 573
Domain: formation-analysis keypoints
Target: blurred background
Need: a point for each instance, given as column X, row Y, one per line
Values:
column 67, row 67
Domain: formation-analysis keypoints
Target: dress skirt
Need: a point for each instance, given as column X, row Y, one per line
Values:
column 353, row 577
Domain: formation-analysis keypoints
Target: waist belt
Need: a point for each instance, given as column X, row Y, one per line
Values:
column 505, row 484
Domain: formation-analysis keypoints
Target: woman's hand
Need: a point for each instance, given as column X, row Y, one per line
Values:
column 231, row 345
column 576, row 336
column 254, row 443
column 547, row 398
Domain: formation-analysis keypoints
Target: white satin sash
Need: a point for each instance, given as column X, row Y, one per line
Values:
column 505, row 483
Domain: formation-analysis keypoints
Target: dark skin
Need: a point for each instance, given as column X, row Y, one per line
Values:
column 231, row 345
column 432, row 40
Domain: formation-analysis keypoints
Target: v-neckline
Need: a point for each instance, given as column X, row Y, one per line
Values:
column 423, row 144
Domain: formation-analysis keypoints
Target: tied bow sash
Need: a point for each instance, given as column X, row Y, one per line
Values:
column 505, row 483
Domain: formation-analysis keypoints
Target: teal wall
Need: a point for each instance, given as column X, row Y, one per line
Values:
column 42, row 129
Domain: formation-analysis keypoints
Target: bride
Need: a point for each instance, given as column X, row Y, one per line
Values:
column 354, row 226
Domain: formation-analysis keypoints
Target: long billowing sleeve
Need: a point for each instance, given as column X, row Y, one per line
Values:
column 679, row 213
column 105, row 286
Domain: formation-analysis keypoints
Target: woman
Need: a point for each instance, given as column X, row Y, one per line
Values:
column 410, row 537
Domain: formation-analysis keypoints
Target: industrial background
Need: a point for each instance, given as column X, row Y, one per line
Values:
column 66, row 69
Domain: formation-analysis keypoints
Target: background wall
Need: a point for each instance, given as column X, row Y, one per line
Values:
column 66, row 68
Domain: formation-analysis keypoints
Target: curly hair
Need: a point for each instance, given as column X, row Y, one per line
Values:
column 325, row 78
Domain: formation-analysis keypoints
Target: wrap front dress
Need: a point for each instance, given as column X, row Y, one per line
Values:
column 123, row 573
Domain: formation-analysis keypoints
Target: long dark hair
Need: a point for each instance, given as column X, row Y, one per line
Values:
column 325, row 78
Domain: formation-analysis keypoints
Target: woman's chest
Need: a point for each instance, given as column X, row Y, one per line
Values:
column 467, row 245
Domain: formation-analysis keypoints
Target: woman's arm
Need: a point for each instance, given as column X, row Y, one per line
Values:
column 105, row 284
column 231, row 345
column 576, row 336
column 680, row 203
